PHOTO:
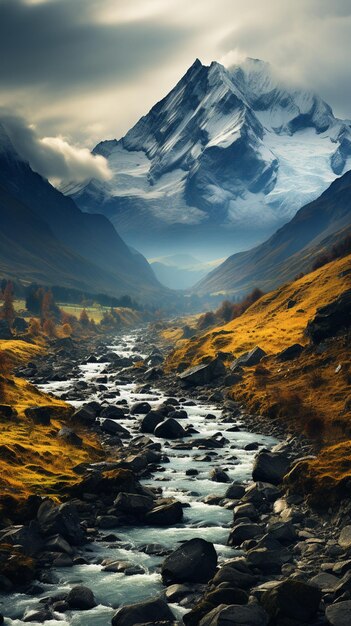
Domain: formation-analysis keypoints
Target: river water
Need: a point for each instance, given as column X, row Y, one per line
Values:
column 200, row 520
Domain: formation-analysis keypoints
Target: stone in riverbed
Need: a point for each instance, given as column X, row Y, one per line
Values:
column 219, row 476
column 292, row 599
column 37, row 615
column 170, row 429
column 339, row 614
column 194, row 561
column 165, row 515
column 235, row 491
column 270, row 467
column 113, row 428
column 113, row 412
column 81, row 598
column 62, row 520
column 242, row 532
column 236, row 615
column 345, row 538
column 154, row 611
column 151, row 420
column 203, row 374
column 133, row 503
column 140, row 408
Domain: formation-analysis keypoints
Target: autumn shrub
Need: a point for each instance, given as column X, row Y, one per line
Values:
column 315, row 380
column 49, row 328
column 34, row 328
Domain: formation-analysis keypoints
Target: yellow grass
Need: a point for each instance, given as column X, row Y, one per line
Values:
column 269, row 322
column 32, row 458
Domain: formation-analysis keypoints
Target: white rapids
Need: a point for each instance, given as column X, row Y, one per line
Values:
column 210, row 522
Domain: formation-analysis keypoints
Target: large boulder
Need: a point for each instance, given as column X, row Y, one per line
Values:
column 140, row 408
column 203, row 374
column 290, row 353
column 151, row 420
column 292, row 599
column 149, row 611
column 248, row 359
column 40, row 414
column 133, row 503
column 112, row 412
column 81, row 598
column 195, row 561
column 330, row 319
column 112, row 427
column 60, row 520
column 236, row 615
column 165, row 515
column 270, row 467
column 170, row 429
column 339, row 614
column 243, row 531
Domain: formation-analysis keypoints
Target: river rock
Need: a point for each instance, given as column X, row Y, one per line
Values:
column 165, row 515
column 81, row 598
column 133, row 503
column 194, row 561
column 345, row 538
column 219, row 476
column 339, row 614
column 235, row 491
column 170, row 429
column 203, row 374
column 269, row 561
column 242, row 532
column 37, row 615
column 60, row 520
column 113, row 428
column 236, row 615
column 151, row 420
column 270, row 467
column 153, row 611
column 243, row 578
column 84, row 415
column 140, row 408
column 113, row 412
column 292, row 599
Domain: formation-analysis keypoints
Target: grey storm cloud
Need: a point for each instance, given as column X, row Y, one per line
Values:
column 52, row 157
column 60, row 44
column 88, row 69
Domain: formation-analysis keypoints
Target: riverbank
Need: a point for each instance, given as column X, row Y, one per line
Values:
column 190, row 480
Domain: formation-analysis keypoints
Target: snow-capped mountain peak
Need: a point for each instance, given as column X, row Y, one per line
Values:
column 226, row 146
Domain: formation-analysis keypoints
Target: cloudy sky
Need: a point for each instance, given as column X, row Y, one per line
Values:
column 77, row 71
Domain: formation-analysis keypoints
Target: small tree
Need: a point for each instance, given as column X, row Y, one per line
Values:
column 8, row 311
column 84, row 319
column 49, row 328
column 34, row 327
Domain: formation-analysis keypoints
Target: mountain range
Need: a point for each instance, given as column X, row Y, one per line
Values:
column 45, row 237
column 289, row 251
column 226, row 149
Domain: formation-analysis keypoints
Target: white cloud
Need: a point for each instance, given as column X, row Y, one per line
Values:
column 53, row 157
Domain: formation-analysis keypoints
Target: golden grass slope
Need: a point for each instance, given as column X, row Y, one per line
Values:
column 33, row 460
column 270, row 323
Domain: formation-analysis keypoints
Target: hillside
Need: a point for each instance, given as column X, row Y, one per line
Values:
column 33, row 459
column 310, row 393
column 291, row 250
column 46, row 238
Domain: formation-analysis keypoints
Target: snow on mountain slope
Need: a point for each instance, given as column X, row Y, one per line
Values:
column 223, row 148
